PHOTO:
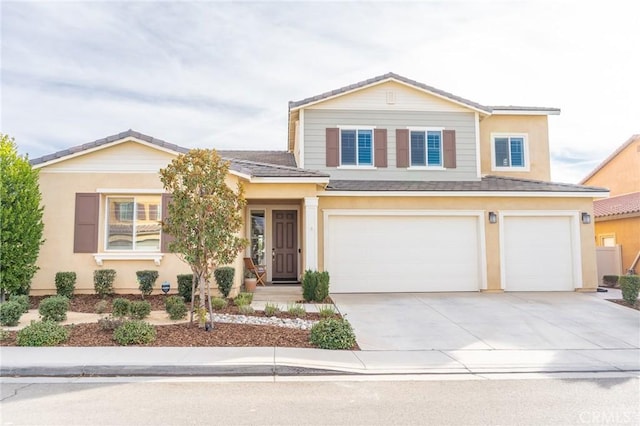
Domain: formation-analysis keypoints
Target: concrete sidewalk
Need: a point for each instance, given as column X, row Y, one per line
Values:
column 143, row 361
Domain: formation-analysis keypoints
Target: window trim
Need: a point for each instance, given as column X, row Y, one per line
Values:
column 132, row 253
column 426, row 149
column 525, row 152
column 373, row 149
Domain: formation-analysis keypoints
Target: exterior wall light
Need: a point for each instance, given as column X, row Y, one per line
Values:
column 493, row 217
column 586, row 218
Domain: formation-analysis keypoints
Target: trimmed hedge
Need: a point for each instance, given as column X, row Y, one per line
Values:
column 65, row 284
column 224, row 279
column 10, row 313
column 22, row 299
column 54, row 308
column 42, row 333
column 146, row 281
column 103, row 281
column 315, row 286
column 121, row 307
column 333, row 333
column 175, row 307
column 630, row 286
column 185, row 281
column 140, row 309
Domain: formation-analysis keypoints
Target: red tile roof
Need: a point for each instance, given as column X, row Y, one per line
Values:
column 622, row 204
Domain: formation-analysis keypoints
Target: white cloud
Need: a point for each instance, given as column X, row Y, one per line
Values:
column 221, row 74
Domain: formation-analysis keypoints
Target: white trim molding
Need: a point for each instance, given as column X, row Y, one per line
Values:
column 128, row 191
column 311, row 233
column 525, row 152
column 101, row 257
column 501, row 194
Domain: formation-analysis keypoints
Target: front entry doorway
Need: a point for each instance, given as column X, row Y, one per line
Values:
column 284, row 251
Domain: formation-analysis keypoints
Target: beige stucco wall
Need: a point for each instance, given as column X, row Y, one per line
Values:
column 627, row 235
column 622, row 173
column 537, row 130
column 492, row 237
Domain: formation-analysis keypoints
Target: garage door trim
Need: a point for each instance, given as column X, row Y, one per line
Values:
column 576, row 250
column 477, row 214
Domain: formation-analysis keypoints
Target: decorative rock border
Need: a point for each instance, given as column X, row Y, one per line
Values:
column 279, row 322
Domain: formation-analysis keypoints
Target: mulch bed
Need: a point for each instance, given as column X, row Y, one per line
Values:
column 636, row 306
column 182, row 335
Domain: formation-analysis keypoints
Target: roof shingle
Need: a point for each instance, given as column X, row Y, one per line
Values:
column 622, row 204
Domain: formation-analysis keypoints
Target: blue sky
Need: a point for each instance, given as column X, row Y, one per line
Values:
column 220, row 74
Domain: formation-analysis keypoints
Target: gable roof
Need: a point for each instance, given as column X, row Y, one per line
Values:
column 273, row 164
column 91, row 146
column 615, row 206
column 621, row 148
column 486, row 184
column 423, row 87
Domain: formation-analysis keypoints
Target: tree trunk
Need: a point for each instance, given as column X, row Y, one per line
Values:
column 193, row 296
column 209, row 303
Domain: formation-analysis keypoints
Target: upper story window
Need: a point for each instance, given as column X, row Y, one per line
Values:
column 426, row 148
column 509, row 152
column 129, row 227
column 356, row 147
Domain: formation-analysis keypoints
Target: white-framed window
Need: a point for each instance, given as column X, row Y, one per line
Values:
column 356, row 146
column 133, row 223
column 509, row 152
column 425, row 147
column 607, row 240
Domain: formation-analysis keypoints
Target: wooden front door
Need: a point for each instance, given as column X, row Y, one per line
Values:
column 284, row 252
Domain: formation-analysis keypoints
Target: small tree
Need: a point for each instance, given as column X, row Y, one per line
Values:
column 204, row 217
column 21, row 223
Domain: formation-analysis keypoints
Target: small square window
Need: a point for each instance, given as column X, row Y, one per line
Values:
column 426, row 148
column 509, row 152
column 356, row 147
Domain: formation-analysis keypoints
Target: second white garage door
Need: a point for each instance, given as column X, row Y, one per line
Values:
column 538, row 253
column 389, row 253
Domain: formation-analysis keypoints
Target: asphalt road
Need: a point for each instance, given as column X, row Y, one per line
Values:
column 612, row 400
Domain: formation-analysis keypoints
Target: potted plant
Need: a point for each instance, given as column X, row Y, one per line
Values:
column 250, row 281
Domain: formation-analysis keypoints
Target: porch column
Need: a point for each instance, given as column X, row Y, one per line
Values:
column 311, row 233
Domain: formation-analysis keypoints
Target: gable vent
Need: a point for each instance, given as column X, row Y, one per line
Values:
column 391, row 97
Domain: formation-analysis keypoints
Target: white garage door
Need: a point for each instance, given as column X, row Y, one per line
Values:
column 365, row 253
column 537, row 253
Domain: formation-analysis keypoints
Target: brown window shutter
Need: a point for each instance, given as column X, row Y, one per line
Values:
column 165, row 238
column 333, row 138
column 402, row 147
column 449, row 148
column 85, row 234
column 380, row 141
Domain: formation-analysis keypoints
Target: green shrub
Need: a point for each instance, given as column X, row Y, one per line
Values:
column 4, row 335
column 42, row 333
column 101, row 307
column 22, row 299
column 134, row 333
column 315, row 286
column 326, row 311
column 65, row 283
column 121, row 307
column 224, row 279
column 140, row 309
column 333, row 333
column 54, row 308
column 185, row 281
column 218, row 303
column 10, row 313
column 610, row 280
column 309, row 284
column 322, row 290
column 246, row 309
column 243, row 299
column 110, row 323
column 271, row 309
column 103, row 281
column 146, row 281
column 630, row 286
column 296, row 310
column 175, row 307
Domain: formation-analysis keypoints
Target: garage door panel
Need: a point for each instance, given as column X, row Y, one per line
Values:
column 538, row 254
column 402, row 253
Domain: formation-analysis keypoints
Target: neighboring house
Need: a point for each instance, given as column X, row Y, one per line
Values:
column 388, row 184
column 617, row 219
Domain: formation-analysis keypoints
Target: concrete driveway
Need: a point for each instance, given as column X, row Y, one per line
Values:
column 508, row 321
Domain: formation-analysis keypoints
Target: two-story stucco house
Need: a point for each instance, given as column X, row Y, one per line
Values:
column 388, row 184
